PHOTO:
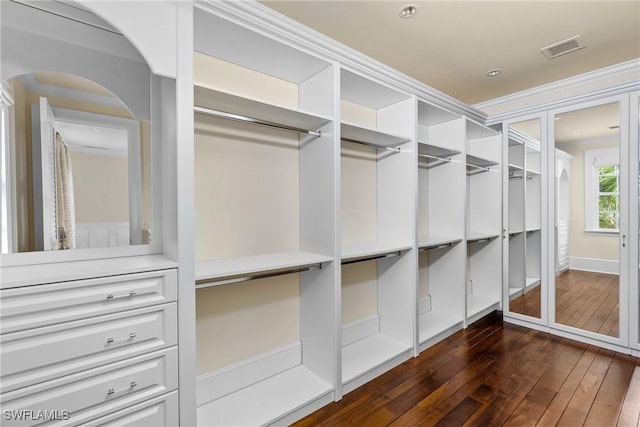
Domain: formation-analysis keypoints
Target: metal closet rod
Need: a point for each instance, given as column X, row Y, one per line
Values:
column 254, row 121
column 435, row 157
column 444, row 245
column 372, row 257
column 205, row 283
column 371, row 144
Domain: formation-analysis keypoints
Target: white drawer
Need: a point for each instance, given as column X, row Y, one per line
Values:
column 34, row 306
column 91, row 394
column 158, row 412
column 41, row 354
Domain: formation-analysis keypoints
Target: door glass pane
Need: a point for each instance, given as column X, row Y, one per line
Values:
column 587, row 218
column 524, row 219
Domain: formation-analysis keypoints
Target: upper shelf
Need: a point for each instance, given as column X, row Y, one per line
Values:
column 432, row 242
column 257, row 112
column 371, row 251
column 476, row 130
column 436, row 151
column 480, row 237
column 478, row 164
column 217, row 272
column 355, row 133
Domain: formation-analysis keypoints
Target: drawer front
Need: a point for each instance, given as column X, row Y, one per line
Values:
column 91, row 394
column 41, row 354
column 42, row 305
column 159, row 412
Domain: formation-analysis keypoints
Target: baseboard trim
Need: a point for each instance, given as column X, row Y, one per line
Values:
column 231, row 378
column 360, row 329
column 594, row 265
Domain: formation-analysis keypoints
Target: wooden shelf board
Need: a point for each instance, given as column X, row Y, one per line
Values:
column 364, row 251
column 363, row 134
column 477, row 303
column 435, row 150
column 229, row 103
column 433, row 241
column 437, row 321
column 265, row 402
column 479, row 161
column 27, row 275
column 234, row 267
column 367, row 354
column 475, row 236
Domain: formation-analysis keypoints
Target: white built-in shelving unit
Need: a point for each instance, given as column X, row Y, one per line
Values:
column 378, row 228
column 265, row 221
column 484, row 219
column 524, row 213
column 441, row 223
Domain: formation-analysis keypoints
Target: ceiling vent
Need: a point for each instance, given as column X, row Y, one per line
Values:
column 562, row 48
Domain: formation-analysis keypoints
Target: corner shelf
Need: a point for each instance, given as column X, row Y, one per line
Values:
column 239, row 108
column 365, row 252
column 371, row 137
column 267, row 401
column 218, row 272
column 436, row 242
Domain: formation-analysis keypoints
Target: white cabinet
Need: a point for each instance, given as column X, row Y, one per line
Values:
column 160, row 411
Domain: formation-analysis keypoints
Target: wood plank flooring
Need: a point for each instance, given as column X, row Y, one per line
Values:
column 495, row 374
column 584, row 300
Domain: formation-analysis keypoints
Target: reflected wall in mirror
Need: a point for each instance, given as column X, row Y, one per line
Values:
column 587, row 181
column 75, row 132
column 524, row 219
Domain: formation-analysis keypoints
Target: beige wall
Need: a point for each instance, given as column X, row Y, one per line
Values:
column 101, row 187
column 581, row 244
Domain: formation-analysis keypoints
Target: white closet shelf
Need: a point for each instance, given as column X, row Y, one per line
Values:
column 479, row 162
column 478, row 237
column 260, row 112
column 432, row 242
column 476, row 130
column 219, row 272
column 533, row 229
column 532, row 282
column 267, row 401
column 514, row 292
column 514, row 232
column 370, row 251
column 436, row 151
column 363, row 135
column 513, row 142
column 437, row 321
column 477, row 303
column 27, row 275
column 514, row 168
column 369, row 353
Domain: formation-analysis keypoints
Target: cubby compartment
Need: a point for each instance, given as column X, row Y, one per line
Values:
column 441, row 223
column 265, row 221
column 484, row 220
column 378, row 176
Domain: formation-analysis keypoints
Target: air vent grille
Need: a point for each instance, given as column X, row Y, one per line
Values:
column 562, row 48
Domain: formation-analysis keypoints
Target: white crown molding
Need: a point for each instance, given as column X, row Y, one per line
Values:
column 270, row 23
column 608, row 81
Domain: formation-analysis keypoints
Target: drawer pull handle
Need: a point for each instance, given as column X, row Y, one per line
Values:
column 130, row 294
column 131, row 336
column 113, row 391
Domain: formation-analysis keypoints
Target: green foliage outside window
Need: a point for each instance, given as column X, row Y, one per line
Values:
column 608, row 197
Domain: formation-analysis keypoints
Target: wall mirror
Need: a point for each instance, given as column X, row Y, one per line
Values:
column 589, row 192
column 75, row 132
column 524, row 218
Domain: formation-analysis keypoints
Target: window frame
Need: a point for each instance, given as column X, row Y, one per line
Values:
column 593, row 160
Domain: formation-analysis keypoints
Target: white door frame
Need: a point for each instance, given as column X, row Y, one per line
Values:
column 634, row 241
column 560, row 329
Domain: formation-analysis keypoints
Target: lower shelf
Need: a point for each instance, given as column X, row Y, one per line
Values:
column 531, row 283
column 364, row 356
column 268, row 401
column 478, row 303
column 514, row 292
column 436, row 322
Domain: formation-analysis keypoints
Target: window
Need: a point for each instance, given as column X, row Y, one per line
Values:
column 602, row 190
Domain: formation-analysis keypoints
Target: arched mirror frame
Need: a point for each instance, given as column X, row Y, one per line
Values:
column 149, row 37
column 624, row 285
column 516, row 317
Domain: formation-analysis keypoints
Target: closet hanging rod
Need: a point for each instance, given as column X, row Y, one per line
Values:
column 251, row 120
column 227, row 280
column 372, row 257
column 428, row 248
column 428, row 156
column 371, row 144
column 482, row 240
column 515, row 177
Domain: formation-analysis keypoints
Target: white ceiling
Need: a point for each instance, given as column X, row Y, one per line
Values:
column 93, row 139
column 450, row 45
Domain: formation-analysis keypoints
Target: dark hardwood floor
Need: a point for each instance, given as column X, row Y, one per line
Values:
column 497, row 374
column 584, row 300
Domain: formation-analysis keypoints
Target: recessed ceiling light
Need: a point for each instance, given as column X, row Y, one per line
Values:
column 408, row 11
column 495, row 72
